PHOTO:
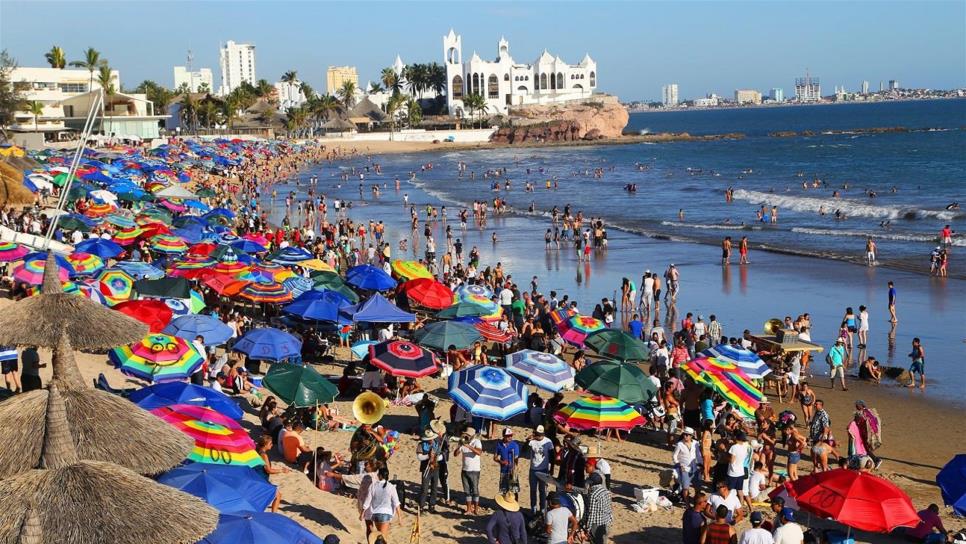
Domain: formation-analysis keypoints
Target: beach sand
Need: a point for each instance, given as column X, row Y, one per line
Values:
column 919, row 437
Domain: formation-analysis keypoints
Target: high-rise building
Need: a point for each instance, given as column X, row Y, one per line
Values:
column 865, row 87
column 747, row 96
column 777, row 94
column 335, row 76
column 808, row 88
column 194, row 80
column 669, row 94
column 237, row 65
column 893, row 84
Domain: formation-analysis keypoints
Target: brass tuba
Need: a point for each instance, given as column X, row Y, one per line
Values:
column 368, row 407
column 773, row 325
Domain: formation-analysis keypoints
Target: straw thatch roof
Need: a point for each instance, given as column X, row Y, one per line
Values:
column 338, row 125
column 12, row 190
column 367, row 109
column 30, row 530
column 89, row 502
column 104, row 427
column 39, row 320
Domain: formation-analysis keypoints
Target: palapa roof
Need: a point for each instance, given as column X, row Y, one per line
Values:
column 369, row 110
column 340, row 125
column 12, row 190
column 104, row 427
column 69, row 501
column 40, row 319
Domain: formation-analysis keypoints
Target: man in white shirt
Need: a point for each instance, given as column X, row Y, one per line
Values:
column 506, row 299
column 541, row 454
column 684, row 458
column 737, row 459
column 756, row 535
column 471, row 448
column 647, row 284
column 757, row 482
column 728, row 498
column 790, row 532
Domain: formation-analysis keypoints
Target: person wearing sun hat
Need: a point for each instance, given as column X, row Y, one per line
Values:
column 836, row 361
column 507, row 524
column 541, row 462
column 428, row 453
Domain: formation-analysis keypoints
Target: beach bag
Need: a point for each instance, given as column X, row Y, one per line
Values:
column 828, row 358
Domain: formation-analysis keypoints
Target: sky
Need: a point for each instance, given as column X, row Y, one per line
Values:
column 704, row 47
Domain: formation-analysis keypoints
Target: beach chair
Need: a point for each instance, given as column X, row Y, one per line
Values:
column 102, row 384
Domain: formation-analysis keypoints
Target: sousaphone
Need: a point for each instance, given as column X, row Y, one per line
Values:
column 368, row 408
column 773, row 325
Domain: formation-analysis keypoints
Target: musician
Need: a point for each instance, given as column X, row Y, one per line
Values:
column 507, row 454
column 428, row 454
column 365, row 444
column 439, row 428
column 572, row 463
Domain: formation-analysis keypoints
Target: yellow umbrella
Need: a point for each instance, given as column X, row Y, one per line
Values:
column 317, row 265
column 410, row 270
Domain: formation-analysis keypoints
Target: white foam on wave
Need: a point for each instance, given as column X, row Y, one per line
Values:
column 851, row 208
column 885, row 235
column 709, row 227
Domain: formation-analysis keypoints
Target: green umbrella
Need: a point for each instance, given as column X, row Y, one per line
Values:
column 463, row 309
column 333, row 282
column 443, row 334
column 205, row 192
column 73, row 223
column 158, row 214
column 299, row 386
column 76, row 192
column 619, row 380
column 617, row 344
column 60, row 179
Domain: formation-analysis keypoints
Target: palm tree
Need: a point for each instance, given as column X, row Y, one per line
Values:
column 230, row 112
column 92, row 61
column 297, row 118
column 263, row 88
column 375, row 88
column 189, row 111
column 347, row 94
column 321, row 106
column 289, row 77
column 56, row 57
column 415, row 75
column 414, row 113
column 390, row 80
column 307, row 91
column 36, row 108
column 107, row 89
column 436, row 80
column 475, row 103
column 395, row 103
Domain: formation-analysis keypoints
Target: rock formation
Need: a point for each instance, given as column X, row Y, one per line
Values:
column 596, row 118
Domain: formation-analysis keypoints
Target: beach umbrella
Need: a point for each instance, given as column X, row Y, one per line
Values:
column 473, row 290
column 617, row 344
column 269, row 271
column 317, row 305
column 428, row 293
column 85, row 264
column 248, row 246
column 116, row 286
column 731, row 383
column 225, row 285
column 153, row 313
column 462, row 309
column 99, row 209
column 747, row 360
column 258, row 528
column 299, row 386
column 91, row 290
column 621, row 381
column 231, row 267
column 575, row 329
column 443, row 334
column 334, row 282
column 179, row 307
column 492, row 333
column 127, row 236
column 119, row 220
column 476, row 296
column 69, row 500
column 168, row 243
column 952, row 483
column 599, row 412
column 271, row 293
column 377, row 309
column 219, row 439
column 410, row 270
column 268, row 344
column 560, row 315
column 316, row 265
column 229, row 488
column 32, row 269
column 157, row 358
column 361, row 348
column 859, row 500
column 73, row 221
column 170, row 393
column 140, row 270
column 163, row 288
column 488, row 392
column 105, row 249
column 402, row 358
column 544, row 370
column 369, row 277
column 192, row 326
column 10, row 251
column 298, row 285
column 290, row 255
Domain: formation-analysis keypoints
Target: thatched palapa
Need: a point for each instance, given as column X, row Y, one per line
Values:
column 92, row 502
column 39, row 320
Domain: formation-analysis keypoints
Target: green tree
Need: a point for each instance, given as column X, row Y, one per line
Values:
column 204, row 88
column 476, row 104
column 107, row 90
column 321, row 107
column 436, row 79
column 189, row 112
column 307, row 91
column 393, row 107
column 92, row 62
column 264, row 89
column 209, row 112
column 56, row 57
column 11, row 92
column 291, row 76
column 347, row 94
column 414, row 112
column 36, row 108
column 390, row 80
column 157, row 94
column 230, row 111
column 416, row 78
column 375, row 88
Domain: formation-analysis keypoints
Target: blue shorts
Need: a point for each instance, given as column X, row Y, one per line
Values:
column 794, row 457
column 918, row 367
column 736, row 482
column 382, row 518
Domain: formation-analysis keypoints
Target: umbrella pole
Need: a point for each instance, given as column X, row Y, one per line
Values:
column 315, row 451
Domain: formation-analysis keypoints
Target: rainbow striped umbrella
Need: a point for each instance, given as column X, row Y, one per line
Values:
column 119, row 220
column 410, row 270
column 732, row 384
column 464, row 295
column 219, row 440
column 126, row 237
column 85, row 264
column 599, row 412
column 68, row 287
column 232, row 268
column 10, row 252
column 562, row 314
column 91, row 291
column 116, row 285
column 32, row 269
column 157, row 358
column 477, row 290
column 168, row 243
column 269, row 271
column 99, row 209
column 274, row 293
column 575, row 329
column 746, row 360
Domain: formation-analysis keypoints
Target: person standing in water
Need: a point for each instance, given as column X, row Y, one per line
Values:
column 743, row 250
column 726, row 250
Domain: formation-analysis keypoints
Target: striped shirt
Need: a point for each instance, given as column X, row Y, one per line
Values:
column 8, row 353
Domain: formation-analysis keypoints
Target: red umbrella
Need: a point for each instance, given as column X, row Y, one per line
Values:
column 428, row 293
column 153, row 313
column 225, row 285
column 492, row 333
column 857, row 499
column 202, row 249
column 402, row 358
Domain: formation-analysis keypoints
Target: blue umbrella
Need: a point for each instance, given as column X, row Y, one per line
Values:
column 369, row 277
column 317, row 305
column 544, row 370
column 952, row 483
column 268, row 344
column 191, row 326
column 169, row 393
column 747, row 360
column 298, row 285
column 120, row 221
column 248, row 246
column 258, row 528
column 229, row 488
column 140, row 270
column 105, row 249
column 488, row 392
column 221, row 211
column 361, row 349
column 290, row 255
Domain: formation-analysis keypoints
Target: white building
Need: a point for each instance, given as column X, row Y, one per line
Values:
column 893, row 84
column 777, row 94
column 747, row 96
column 865, row 87
column 808, row 89
column 237, row 62
column 289, row 95
column 504, row 82
column 709, row 101
column 194, row 80
column 669, row 94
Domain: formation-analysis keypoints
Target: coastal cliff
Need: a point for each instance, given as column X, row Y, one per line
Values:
column 597, row 118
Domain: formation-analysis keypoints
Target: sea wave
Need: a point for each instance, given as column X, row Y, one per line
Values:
column 702, row 226
column 853, row 208
column 899, row 237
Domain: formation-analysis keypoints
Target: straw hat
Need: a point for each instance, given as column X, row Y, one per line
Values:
column 508, row 502
column 428, row 434
column 438, row 426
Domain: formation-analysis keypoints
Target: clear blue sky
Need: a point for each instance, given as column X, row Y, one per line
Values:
column 639, row 46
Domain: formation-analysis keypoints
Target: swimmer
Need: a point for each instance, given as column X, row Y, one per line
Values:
column 952, row 206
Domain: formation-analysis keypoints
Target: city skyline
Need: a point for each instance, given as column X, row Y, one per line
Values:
column 703, row 47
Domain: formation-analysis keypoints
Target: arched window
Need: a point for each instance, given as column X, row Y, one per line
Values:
column 476, row 84
column 593, row 79
column 493, row 87
column 578, row 86
column 560, row 83
column 543, row 81
column 522, row 89
column 526, row 78
column 506, row 77
column 457, row 87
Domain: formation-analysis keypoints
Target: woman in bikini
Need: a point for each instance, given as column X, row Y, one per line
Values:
column 806, row 397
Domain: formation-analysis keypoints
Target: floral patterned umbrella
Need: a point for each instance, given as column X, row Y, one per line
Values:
column 157, row 358
column 575, row 329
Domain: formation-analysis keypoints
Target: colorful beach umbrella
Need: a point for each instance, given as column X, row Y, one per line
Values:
column 748, row 361
column 157, row 358
column 171, row 393
column 168, row 243
column 410, row 270
column 467, row 290
column 269, row 293
column 488, row 392
column 116, row 285
column 126, row 237
column 599, row 412
column 269, row 271
column 370, row 278
column 443, row 334
column 574, row 330
column 299, row 386
column 268, row 344
column 224, row 285
column 259, row 528
column 402, row 358
column 560, row 315
column 461, row 310
column 10, row 251
column 544, row 370
column 230, row 489
column 428, row 293
column 153, row 313
column 290, row 255
column 31, row 270
column 617, row 344
column 494, row 334
column 192, row 326
column 85, row 264
column 99, row 209
column 477, row 296
column 219, row 439
column 621, row 381
column 734, row 385
column 298, row 285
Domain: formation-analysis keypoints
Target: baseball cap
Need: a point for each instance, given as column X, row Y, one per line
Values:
column 788, row 514
column 539, row 429
column 756, row 517
column 507, row 431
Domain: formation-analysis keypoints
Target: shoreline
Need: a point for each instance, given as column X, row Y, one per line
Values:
column 789, row 104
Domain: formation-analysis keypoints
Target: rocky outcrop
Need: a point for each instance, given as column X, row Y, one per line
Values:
column 595, row 118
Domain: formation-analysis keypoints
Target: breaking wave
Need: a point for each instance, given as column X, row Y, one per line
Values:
column 853, row 208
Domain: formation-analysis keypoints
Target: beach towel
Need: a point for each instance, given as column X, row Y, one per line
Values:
column 871, row 428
